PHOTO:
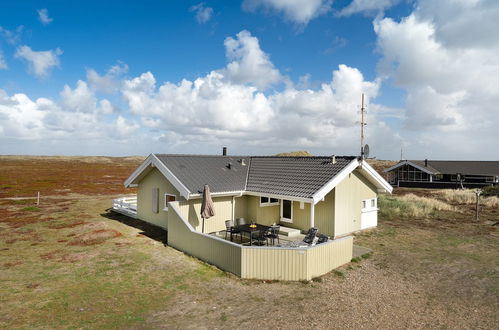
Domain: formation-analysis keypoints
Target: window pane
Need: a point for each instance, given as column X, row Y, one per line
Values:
column 274, row 200
column 363, row 204
column 373, row 202
column 264, row 200
column 286, row 209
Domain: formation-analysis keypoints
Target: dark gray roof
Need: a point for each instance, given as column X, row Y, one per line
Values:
column 292, row 176
column 194, row 171
column 460, row 166
column 288, row 176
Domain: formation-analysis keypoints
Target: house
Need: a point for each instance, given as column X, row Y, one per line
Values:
column 337, row 195
column 443, row 173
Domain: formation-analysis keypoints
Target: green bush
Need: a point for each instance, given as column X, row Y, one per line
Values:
column 490, row 191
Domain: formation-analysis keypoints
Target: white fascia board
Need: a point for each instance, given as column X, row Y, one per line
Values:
column 322, row 192
column 138, row 171
column 374, row 177
column 170, row 177
column 408, row 163
column 219, row 194
column 277, row 196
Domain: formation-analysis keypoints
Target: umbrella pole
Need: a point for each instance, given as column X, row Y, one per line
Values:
column 203, row 226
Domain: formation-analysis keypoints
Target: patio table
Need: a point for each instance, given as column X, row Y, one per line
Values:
column 247, row 229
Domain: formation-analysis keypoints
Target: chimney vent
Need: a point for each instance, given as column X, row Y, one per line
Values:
column 333, row 159
column 426, row 163
column 224, row 151
column 229, row 165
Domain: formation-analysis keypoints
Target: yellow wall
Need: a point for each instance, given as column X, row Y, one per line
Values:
column 265, row 263
column 265, row 215
column 324, row 215
column 154, row 179
column 191, row 209
column 349, row 194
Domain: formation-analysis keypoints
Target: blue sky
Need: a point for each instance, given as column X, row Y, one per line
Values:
column 260, row 76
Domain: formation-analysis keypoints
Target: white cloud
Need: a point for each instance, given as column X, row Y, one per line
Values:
column 80, row 99
column 203, row 13
column 3, row 64
column 12, row 36
column 109, row 82
column 43, row 16
column 248, row 63
column 40, row 62
column 368, row 7
column 450, row 71
column 298, row 11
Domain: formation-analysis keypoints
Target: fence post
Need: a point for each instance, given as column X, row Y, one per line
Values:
column 38, row 199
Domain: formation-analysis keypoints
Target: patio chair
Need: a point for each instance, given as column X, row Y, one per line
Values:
column 273, row 233
column 309, row 237
column 322, row 239
column 260, row 238
column 229, row 228
column 240, row 221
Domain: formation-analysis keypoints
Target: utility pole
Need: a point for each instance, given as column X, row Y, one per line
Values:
column 362, row 124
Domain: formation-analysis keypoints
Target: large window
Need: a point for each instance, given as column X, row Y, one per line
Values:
column 410, row 173
column 168, row 198
column 267, row 201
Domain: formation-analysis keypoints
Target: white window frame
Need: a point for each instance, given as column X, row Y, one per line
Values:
column 268, row 203
column 286, row 219
column 165, row 201
column 367, row 204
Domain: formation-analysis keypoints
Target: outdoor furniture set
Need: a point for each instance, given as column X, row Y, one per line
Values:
column 261, row 235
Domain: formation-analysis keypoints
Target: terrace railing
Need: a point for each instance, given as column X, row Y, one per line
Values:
column 265, row 263
column 126, row 205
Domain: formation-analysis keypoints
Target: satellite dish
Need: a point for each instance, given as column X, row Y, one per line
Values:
column 365, row 152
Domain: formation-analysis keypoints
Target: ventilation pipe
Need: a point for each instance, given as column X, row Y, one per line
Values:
column 426, row 163
column 224, row 151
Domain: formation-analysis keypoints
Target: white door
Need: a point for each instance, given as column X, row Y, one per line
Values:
column 287, row 211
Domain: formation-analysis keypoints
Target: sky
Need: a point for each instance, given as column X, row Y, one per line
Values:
column 261, row 77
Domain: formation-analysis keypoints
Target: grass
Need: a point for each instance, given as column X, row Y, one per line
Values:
column 70, row 264
column 466, row 196
column 410, row 205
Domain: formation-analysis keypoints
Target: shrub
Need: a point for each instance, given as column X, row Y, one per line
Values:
column 491, row 191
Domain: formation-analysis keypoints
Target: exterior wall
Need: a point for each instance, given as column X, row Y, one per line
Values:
column 324, row 258
column 324, row 214
column 191, row 209
column 154, row 179
column 301, row 217
column 266, row 215
column 266, row 263
column 221, row 253
column 349, row 194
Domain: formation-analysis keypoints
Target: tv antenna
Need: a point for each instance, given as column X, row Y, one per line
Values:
column 363, row 148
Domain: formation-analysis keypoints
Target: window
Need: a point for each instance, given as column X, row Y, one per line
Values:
column 168, row 198
column 369, row 204
column 267, row 201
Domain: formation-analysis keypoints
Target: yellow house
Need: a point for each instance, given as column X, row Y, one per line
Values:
column 336, row 195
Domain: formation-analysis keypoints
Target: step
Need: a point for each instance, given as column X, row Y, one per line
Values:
column 290, row 232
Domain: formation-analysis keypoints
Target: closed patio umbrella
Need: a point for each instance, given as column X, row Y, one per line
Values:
column 207, row 207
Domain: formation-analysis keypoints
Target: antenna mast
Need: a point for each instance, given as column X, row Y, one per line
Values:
column 362, row 124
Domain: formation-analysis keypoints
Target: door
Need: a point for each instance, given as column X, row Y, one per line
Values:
column 369, row 214
column 287, row 211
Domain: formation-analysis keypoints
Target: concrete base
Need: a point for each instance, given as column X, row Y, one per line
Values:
column 290, row 232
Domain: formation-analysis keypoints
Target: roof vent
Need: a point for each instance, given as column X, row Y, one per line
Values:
column 333, row 159
column 229, row 165
column 224, row 151
column 426, row 163
column 243, row 163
